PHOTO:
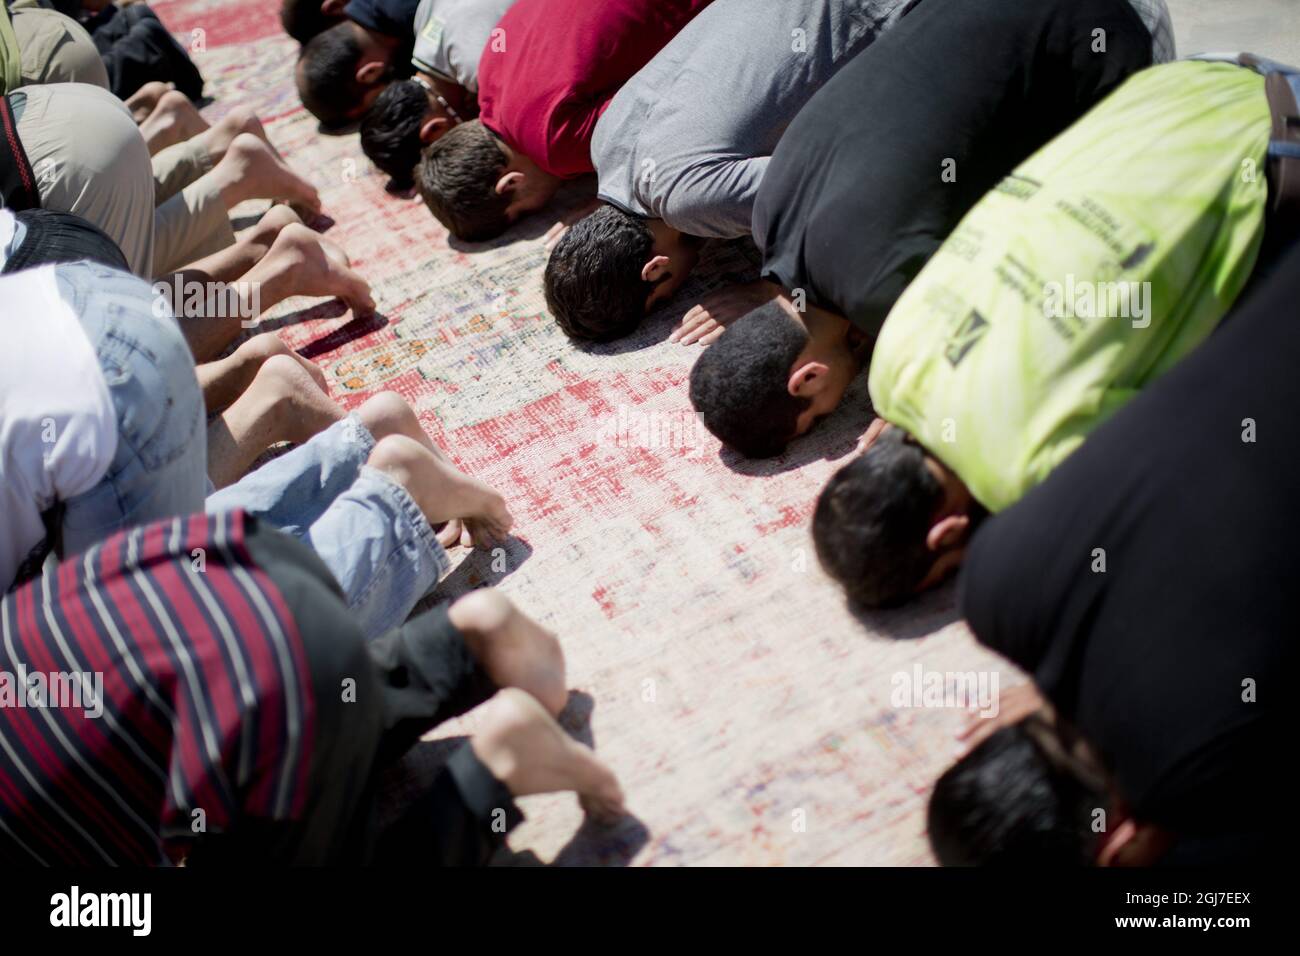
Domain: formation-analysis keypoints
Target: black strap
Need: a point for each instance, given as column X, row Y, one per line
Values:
column 1282, row 88
column 17, row 182
column 52, row 518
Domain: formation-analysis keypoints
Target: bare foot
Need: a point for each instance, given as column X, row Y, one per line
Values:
column 282, row 403
column 173, row 120
column 294, row 397
column 307, row 264
column 262, row 234
column 262, row 347
column 557, row 231
column 512, row 648
column 441, row 492
column 524, row 748
column 251, row 169
column 241, row 119
column 706, row 321
column 224, row 380
column 142, row 102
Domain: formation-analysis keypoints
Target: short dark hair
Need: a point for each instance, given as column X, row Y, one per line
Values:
column 593, row 279
column 458, row 177
column 872, row 518
column 329, row 88
column 390, row 132
column 739, row 383
column 1009, row 803
column 303, row 19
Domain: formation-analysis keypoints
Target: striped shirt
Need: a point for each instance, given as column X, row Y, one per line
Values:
column 152, row 689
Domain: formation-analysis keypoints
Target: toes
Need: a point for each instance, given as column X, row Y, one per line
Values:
column 356, row 293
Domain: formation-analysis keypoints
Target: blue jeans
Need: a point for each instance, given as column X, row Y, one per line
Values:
column 160, row 467
column 365, row 527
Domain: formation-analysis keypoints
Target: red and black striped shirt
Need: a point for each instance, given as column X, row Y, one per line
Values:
column 208, row 715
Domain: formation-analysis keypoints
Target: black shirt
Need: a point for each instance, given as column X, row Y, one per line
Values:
column 394, row 18
column 854, row 200
column 1198, row 527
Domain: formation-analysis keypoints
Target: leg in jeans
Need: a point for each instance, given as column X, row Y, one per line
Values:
column 159, row 469
column 368, row 508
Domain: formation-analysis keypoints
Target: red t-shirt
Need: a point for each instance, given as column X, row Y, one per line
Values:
column 552, row 66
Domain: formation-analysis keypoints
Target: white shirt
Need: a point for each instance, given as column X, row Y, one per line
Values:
column 450, row 36
column 11, row 232
column 58, row 426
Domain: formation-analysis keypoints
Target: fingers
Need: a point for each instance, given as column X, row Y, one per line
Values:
column 450, row 533
column 1014, row 705
column 696, row 317
column 602, row 809
column 707, row 327
column 877, row 427
column 356, row 293
column 554, row 235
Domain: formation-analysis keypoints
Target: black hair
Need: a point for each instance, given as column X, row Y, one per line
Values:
column 329, row 87
column 739, row 383
column 390, row 132
column 593, row 279
column 303, row 19
column 1010, row 802
column 872, row 519
column 458, row 176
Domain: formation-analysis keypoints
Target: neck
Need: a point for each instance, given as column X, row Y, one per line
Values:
column 453, row 94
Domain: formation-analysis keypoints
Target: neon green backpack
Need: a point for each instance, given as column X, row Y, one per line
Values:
column 1099, row 263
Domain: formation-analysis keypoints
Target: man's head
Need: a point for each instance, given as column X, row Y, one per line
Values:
column 404, row 119
column 477, row 186
column 1032, row 795
column 341, row 72
column 893, row 522
column 612, row 268
column 303, row 19
column 772, row 375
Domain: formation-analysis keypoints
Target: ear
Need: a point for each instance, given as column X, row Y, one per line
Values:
column 509, row 183
column 807, row 379
column 432, row 128
column 370, row 72
column 946, row 533
column 333, row 8
column 655, row 269
column 1133, row 844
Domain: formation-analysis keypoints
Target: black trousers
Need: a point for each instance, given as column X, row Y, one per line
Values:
column 52, row 237
column 137, row 48
column 373, row 702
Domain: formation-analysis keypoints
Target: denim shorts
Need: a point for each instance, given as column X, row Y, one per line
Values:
column 160, row 467
column 365, row 527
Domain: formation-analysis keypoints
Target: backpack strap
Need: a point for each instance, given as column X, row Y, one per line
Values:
column 1282, row 87
column 17, row 183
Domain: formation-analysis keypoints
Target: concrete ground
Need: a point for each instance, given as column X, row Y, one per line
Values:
column 1268, row 27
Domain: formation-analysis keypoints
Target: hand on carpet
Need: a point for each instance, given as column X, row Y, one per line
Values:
column 1014, row 705
column 706, row 321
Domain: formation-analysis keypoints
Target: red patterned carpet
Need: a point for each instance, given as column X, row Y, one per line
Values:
column 747, row 713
